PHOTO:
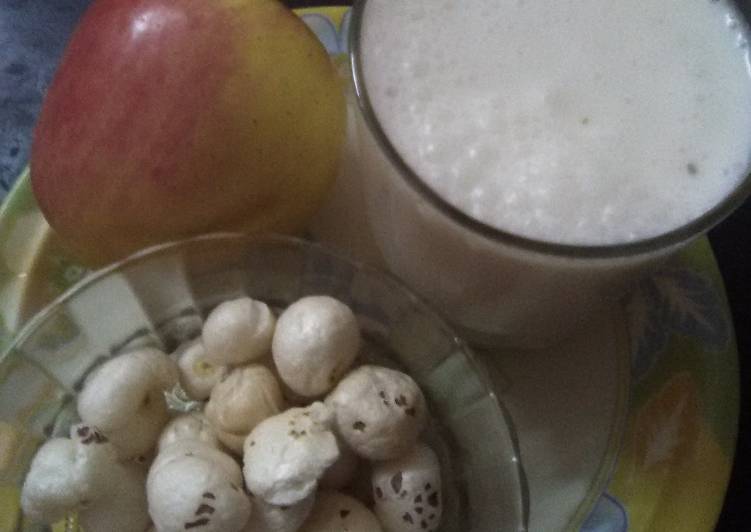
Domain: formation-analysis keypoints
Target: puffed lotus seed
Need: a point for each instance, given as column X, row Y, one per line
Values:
column 336, row 512
column 197, row 375
column 238, row 331
column 50, row 489
column 124, row 398
column 285, row 455
column 191, row 426
column 267, row 517
column 374, row 412
column 80, row 472
column 192, row 492
column 137, row 437
column 118, row 387
column 116, row 499
column 316, row 341
column 379, row 412
column 186, row 448
column 96, row 461
column 247, row 396
column 407, row 492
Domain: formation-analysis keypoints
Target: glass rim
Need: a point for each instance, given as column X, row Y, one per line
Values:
column 522, row 498
column 645, row 246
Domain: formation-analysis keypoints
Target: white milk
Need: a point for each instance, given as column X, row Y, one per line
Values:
column 572, row 121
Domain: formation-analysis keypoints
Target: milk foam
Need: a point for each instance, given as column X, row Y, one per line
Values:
column 576, row 121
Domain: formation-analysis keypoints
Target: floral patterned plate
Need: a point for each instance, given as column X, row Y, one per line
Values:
column 653, row 388
column 663, row 462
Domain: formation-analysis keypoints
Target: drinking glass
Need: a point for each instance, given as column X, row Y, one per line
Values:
column 496, row 287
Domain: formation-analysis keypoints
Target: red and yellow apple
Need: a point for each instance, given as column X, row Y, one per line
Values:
column 169, row 118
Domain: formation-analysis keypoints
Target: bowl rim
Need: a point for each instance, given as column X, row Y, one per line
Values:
column 172, row 246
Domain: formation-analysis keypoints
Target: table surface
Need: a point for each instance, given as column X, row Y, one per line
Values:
column 33, row 34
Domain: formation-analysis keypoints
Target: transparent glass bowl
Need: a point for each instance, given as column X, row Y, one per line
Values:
column 160, row 296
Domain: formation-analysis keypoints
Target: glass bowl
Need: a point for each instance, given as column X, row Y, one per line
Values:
column 160, row 296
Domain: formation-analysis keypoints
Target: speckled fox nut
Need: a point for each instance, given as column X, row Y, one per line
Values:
column 96, row 460
column 407, row 492
column 238, row 331
column 316, row 341
column 287, row 454
column 192, row 491
column 117, row 492
column 182, row 448
column 336, row 512
column 124, row 399
column 51, row 489
column 247, row 396
column 82, row 473
column 379, row 412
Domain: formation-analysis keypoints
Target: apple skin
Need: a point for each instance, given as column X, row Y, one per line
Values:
column 171, row 118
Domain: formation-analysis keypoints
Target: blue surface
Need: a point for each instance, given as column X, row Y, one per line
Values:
column 33, row 34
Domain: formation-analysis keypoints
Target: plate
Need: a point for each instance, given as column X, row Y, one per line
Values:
column 630, row 426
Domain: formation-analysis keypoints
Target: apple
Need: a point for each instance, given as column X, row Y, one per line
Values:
column 170, row 118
